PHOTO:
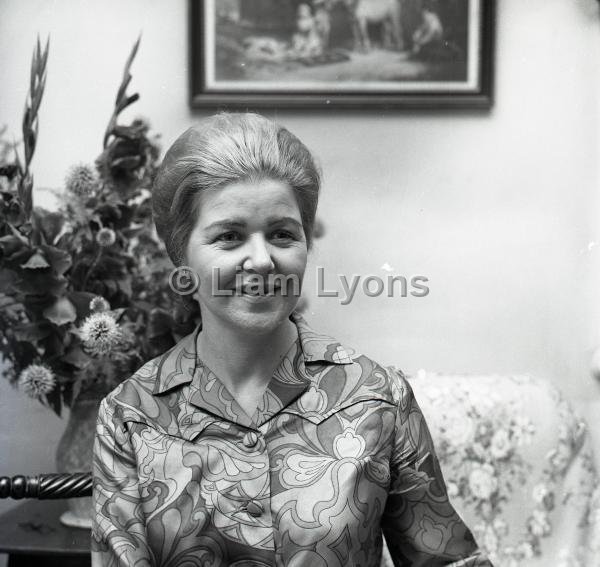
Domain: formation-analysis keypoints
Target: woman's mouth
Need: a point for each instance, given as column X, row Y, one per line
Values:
column 257, row 291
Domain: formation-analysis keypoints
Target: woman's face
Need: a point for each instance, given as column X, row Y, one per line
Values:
column 248, row 237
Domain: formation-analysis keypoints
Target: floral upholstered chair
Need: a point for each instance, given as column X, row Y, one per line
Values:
column 518, row 465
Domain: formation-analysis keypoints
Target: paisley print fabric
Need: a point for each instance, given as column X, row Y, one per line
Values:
column 336, row 454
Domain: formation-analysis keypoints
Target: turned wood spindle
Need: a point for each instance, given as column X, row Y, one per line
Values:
column 46, row 486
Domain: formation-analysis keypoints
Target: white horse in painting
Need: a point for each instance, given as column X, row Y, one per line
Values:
column 387, row 13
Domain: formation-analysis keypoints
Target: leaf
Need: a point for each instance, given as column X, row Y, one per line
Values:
column 117, row 313
column 76, row 357
column 29, row 137
column 36, row 236
column 26, row 122
column 68, row 393
column 41, row 283
column 7, row 278
column 53, row 344
column 128, row 162
column 11, row 243
column 111, row 288
column 120, row 103
column 16, row 259
column 48, row 222
column 26, row 194
column 161, row 323
column 36, row 262
column 33, row 73
column 26, row 228
column 124, row 103
column 45, row 55
column 142, row 305
column 18, row 161
column 125, row 286
column 109, row 211
column 16, row 233
column 62, row 311
column 37, row 99
column 54, row 401
column 60, row 260
column 37, row 55
column 132, row 55
column 31, row 332
column 8, row 302
column 131, row 131
column 81, row 300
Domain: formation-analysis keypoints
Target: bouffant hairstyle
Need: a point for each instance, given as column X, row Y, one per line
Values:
column 223, row 149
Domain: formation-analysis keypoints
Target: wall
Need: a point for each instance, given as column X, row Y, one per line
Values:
column 497, row 209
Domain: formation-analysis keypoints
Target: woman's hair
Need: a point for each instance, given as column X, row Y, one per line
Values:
column 223, row 149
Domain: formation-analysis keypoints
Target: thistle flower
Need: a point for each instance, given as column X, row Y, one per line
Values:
column 81, row 180
column 99, row 304
column 37, row 380
column 100, row 334
column 106, row 237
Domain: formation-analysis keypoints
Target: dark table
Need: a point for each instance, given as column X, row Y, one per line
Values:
column 31, row 534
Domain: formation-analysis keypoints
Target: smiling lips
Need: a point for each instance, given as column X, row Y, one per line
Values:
column 254, row 290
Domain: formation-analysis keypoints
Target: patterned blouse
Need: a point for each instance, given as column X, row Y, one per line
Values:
column 337, row 452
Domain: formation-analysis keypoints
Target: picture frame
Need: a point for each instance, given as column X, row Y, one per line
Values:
column 429, row 54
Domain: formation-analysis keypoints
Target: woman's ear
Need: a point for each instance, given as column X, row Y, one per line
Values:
column 318, row 229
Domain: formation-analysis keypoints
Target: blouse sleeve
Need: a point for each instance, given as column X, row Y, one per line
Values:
column 420, row 525
column 118, row 527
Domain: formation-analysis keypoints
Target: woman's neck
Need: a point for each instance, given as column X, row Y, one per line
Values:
column 242, row 359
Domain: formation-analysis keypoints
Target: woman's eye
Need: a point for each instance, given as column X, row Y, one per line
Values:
column 228, row 237
column 282, row 235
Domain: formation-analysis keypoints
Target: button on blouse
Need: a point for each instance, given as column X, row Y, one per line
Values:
column 250, row 439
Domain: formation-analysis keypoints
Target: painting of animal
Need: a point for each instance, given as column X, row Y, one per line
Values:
column 386, row 13
column 347, row 53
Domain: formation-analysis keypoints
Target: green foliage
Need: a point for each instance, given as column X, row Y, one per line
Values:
column 85, row 291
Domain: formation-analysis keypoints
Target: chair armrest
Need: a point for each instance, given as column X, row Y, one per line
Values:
column 46, row 486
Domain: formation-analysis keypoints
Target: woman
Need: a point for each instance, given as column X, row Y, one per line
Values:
column 256, row 441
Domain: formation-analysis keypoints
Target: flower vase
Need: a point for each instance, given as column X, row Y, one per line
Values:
column 74, row 454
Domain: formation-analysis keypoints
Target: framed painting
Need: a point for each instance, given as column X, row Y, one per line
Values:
column 341, row 53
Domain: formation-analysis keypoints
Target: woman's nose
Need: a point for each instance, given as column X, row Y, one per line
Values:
column 258, row 258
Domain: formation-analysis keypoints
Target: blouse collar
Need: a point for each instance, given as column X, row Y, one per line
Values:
column 181, row 363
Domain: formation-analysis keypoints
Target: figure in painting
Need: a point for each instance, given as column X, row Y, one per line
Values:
column 306, row 42
column 430, row 33
column 322, row 22
column 431, row 39
column 386, row 13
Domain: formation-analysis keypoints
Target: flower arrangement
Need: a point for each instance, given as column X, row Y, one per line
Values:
column 84, row 298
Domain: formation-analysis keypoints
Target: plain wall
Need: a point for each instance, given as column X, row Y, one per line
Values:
column 499, row 210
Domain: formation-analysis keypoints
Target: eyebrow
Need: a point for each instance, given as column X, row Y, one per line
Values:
column 234, row 223
column 225, row 224
column 283, row 220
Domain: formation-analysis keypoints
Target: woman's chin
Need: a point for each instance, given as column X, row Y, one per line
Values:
column 249, row 314
column 259, row 317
